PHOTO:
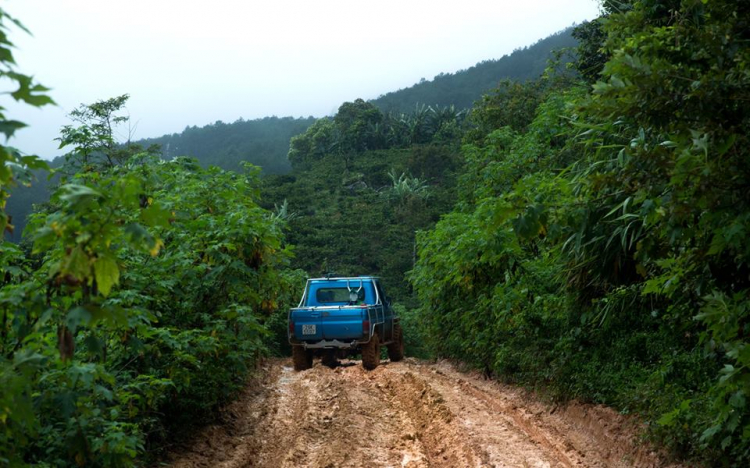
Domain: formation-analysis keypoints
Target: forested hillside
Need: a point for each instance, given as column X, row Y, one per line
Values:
column 462, row 88
column 362, row 184
column 261, row 142
column 265, row 142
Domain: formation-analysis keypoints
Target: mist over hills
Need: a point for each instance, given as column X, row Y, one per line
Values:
column 265, row 142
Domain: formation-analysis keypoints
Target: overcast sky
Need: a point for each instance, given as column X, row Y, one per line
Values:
column 193, row 62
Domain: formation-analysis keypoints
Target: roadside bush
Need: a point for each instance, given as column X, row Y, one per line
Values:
column 599, row 251
column 145, row 302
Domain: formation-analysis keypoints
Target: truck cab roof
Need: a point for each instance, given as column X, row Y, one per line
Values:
column 339, row 278
column 335, row 291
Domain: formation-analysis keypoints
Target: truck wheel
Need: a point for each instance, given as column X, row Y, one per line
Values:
column 396, row 349
column 371, row 353
column 302, row 358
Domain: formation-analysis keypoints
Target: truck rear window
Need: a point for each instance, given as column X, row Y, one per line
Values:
column 329, row 295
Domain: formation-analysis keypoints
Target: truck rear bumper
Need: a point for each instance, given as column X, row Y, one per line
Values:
column 329, row 344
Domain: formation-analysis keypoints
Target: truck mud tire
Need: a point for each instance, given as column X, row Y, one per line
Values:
column 371, row 353
column 396, row 349
column 302, row 358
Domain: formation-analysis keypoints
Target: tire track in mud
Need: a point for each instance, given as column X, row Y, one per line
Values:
column 408, row 414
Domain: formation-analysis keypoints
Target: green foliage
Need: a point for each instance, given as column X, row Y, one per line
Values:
column 356, row 221
column 414, row 332
column 151, row 294
column 600, row 250
column 676, row 82
column 354, row 210
column 151, row 289
column 590, row 58
column 359, row 126
column 406, row 188
column 93, row 139
column 15, row 168
column 511, row 104
column 261, row 142
column 161, row 296
column 319, row 140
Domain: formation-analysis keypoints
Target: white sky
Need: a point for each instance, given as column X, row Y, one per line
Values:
column 192, row 62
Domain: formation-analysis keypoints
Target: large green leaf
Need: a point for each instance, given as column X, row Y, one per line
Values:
column 107, row 274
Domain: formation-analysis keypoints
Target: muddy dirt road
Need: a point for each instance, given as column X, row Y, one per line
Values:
column 407, row 414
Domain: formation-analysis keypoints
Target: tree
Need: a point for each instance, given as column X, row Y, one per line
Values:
column 319, row 139
column 93, row 140
column 356, row 121
column 511, row 104
column 590, row 58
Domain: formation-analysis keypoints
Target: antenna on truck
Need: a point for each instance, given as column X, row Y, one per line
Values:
column 354, row 295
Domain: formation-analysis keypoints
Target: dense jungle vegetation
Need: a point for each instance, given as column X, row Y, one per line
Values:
column 599, row 245
column 144, row 294
column 583, row 234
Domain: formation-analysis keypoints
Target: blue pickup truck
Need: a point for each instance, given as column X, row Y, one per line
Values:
column 340, row 317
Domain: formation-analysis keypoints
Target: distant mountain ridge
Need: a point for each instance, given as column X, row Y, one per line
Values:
column 265, row 142
column 464, row 87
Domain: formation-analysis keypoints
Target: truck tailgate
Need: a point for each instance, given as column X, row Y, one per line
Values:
column 344, row 323
column 306, row 324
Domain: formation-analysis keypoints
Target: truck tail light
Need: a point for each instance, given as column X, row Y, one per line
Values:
column 291, row 328
column 366, row 327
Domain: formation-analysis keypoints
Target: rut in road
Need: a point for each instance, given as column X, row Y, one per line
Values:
column 408, row 414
